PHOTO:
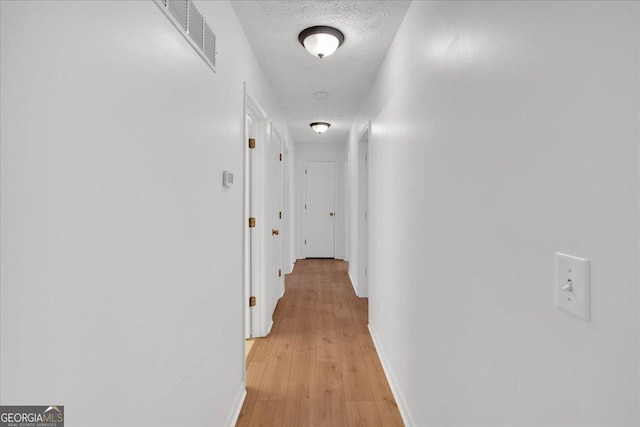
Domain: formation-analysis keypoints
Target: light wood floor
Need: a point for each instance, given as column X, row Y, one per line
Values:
column 318, row 367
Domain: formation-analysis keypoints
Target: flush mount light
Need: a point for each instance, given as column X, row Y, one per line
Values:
column 320, row 127
column 321, row 41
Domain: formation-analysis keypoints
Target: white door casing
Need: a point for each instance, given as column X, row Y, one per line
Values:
column 363, row 215
column 288, row 244
column 319, row 208
column 254, row 200
column 263, row 256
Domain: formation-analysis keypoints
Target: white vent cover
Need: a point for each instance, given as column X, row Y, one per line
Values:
column 209, row 44
column 180, row 11
column 196, row 25
column 187, row 18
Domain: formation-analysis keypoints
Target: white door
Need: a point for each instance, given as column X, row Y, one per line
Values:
column 274, row 275
column 319, row 209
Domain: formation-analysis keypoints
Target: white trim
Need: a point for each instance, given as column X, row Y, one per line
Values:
column 232, row 419
column 255, row 208
column 288, row 232
column 346, row 223
column 353, row 283
column 363, row 179
column 335, row 209
column 395, row 389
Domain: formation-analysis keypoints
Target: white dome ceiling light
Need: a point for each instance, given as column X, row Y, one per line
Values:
column 320, row 127
column 321, row 41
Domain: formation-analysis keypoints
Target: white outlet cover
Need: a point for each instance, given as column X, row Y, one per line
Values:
column 572, row 285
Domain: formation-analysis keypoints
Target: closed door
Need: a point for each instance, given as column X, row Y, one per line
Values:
column 320, row 213
column 275, row 278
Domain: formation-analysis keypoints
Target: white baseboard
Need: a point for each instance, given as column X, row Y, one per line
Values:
column 232, row 419
column 353, row 283
column 402, row 405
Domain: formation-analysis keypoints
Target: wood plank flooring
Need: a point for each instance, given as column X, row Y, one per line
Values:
column 318, row 367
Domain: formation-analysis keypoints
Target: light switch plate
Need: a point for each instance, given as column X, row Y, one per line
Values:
column 572, row 285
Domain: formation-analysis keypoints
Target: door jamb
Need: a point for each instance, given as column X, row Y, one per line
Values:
column 364, row 139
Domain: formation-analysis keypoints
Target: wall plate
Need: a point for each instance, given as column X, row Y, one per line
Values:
column 572, row 285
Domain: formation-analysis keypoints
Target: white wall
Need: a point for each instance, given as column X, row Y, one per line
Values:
column 320, row 151
column 121, row 281
column 503, row 132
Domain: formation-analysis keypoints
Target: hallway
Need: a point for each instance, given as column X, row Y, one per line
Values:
column 319, row 365
column 161, row 165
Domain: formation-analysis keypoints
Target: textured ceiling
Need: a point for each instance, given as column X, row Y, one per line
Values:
column 272, row 28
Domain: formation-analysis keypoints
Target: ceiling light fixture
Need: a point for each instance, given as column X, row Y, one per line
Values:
column 321, row 41
column 320, row 127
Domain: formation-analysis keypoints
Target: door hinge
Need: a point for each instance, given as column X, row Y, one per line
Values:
column 280, row 214
column 305, row 206
column 252, row 222
column 305, row 171
column 280, row 156
column 252, row 143
column 305, row 242
column 279, row 273
column 252, row 301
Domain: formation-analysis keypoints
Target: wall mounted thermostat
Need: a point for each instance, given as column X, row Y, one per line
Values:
column 572, row 285
column 227, row 179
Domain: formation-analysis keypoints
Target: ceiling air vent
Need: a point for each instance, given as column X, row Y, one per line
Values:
column 196, row 24
column 209, row 44
column 187, row 18
column 180, row 11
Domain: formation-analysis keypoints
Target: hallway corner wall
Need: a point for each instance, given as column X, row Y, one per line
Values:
column 503, row 132
column 121, row 251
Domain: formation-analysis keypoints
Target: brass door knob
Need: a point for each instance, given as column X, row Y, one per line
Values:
column 275, row 232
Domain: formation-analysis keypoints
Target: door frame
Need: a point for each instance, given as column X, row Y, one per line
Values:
column 347, row 210
column 287, row 214
column 363, row 210
column 253, row 254
column 335, row 203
